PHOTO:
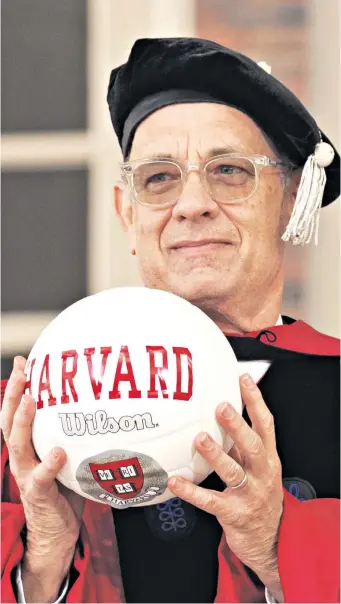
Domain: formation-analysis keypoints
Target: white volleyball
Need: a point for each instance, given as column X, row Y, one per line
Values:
column 123, row 381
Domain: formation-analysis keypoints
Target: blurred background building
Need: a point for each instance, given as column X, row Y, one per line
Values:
column 60, row 240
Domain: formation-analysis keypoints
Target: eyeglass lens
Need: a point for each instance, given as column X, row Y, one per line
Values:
column 225, row 179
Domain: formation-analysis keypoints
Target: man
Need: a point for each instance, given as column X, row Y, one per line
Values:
column 214, row 149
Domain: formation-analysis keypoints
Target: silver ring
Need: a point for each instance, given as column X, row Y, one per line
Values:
column 241, row 484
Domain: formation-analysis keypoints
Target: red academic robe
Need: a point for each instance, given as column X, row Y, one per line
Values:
column 308, row 545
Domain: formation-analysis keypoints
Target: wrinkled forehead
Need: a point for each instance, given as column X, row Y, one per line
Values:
column 198, row 129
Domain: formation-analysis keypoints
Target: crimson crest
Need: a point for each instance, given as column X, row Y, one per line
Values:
column 123, row 478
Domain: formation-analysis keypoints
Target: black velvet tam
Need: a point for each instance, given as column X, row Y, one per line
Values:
column 165, row 71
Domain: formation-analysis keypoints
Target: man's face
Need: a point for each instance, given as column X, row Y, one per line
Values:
column 245, row 252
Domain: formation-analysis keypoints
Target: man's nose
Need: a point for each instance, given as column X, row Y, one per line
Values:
column 194, row 201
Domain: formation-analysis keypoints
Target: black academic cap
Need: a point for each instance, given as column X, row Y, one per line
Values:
column 165, row 71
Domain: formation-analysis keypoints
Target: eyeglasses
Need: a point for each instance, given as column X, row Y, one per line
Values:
column 229, row 178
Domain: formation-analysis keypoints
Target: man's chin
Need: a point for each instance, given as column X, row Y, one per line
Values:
column 197, row 289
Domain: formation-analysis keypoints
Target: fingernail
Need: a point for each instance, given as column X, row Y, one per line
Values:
column 247, row 380
column 228, row 411
column 16, row 363
column 175, row 481
column 55, row 453
column 25, row 399
column 206, row 441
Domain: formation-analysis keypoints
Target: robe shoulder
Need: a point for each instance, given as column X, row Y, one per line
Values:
column 298, row 336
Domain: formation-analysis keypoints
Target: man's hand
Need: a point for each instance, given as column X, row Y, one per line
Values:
column 250, row 515
column 52, row 524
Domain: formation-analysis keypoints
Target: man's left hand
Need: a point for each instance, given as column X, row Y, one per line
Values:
column 251, row 514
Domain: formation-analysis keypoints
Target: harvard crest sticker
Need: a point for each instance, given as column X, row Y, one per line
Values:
column 122, row 478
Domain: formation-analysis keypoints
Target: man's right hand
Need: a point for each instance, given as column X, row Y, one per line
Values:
column 53, row 513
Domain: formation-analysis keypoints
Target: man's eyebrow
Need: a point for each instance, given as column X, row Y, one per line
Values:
column 210, row 153
column 224, row 150
column 158, row 154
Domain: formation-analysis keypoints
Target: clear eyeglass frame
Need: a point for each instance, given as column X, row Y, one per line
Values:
column 259, row 162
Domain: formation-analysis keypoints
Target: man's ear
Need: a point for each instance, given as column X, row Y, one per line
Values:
column 292, row 182
column 294, row 185
column 124, row 212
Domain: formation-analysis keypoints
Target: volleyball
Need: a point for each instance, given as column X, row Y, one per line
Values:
column 123, row 381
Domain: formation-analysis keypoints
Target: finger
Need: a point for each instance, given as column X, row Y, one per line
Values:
column 227, row 469
column 245, row 438
column 44, row 475
column 20, row 440
column 261, row 418
column 236, row 455
column 13, row 393
column 206, row 499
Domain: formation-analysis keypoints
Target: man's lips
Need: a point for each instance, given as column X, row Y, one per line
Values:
column 199, row 244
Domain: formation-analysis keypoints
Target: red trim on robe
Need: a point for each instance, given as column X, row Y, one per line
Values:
column 300, row 337
column 309, row 550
